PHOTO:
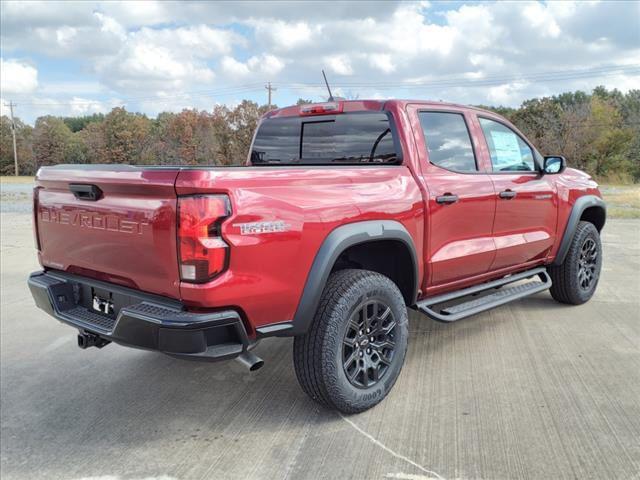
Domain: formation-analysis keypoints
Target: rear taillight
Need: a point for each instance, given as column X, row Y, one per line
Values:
column 202, row 251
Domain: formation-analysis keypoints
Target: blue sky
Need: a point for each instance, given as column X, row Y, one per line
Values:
column 76, row 58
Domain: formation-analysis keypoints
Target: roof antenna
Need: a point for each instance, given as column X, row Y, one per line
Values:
column 328, row 88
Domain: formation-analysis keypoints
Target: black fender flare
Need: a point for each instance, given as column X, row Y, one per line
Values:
column 582, row 203
column 333, row 245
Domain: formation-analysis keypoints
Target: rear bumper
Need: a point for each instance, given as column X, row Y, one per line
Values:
column 140, row 320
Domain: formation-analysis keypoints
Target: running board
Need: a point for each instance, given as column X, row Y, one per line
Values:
column 452, row 313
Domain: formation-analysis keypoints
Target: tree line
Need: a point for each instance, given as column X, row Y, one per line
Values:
column 598, row 132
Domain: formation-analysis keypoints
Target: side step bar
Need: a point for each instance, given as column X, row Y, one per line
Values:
column 452, row 313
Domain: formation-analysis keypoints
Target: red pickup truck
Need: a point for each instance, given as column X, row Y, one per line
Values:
column 346, row 213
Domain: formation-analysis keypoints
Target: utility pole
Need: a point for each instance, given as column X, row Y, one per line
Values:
column 13, row 134
column 269, row 89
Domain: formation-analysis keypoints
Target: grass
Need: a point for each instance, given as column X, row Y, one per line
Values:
column 13, row 179
column 623, row 201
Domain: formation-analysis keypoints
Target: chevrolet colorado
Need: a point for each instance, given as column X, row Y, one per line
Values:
column 346, row 214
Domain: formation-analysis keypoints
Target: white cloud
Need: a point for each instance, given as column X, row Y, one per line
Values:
column 542, row 19
column 136, row 13
column 199, row 41
column 382, row 61
column 156, row 58
column 339, row 64
column 410, row 32
column 485, row 60
column 86, row 106
column 234, row 68
column 475, row 26
column 267, row 64
column 284, row 35
column 110, row 26
column 506, row 94
column 83, row 35
column 17, row 77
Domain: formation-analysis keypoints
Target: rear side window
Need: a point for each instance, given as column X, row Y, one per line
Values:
column 448, row 141
column 349, row 138
column 509, row 153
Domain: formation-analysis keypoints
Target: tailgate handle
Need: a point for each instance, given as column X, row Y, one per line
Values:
column 83, row 191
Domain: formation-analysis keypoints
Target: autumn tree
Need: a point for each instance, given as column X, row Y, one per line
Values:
column 243, row 121
column 53, row 142
column 6, row 147
column 193, row 137
column 76, row 124
column 125, row 136
column 224, row 135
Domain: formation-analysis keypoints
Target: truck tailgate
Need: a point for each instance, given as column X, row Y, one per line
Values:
column 125, row 235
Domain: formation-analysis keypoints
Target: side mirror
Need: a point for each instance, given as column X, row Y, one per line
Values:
column 554, row 164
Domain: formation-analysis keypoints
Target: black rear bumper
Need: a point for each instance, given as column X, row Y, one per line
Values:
column 140, row 319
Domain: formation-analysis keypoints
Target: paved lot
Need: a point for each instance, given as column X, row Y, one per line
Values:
column 531, row 390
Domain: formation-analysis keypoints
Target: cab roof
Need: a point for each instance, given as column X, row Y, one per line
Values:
column 368, row 105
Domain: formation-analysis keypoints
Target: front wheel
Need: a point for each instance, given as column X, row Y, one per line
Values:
column 576, row 279
column 353, row 353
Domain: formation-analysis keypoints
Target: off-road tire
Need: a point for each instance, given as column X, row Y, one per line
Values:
column 318, row 356
column 567, row 285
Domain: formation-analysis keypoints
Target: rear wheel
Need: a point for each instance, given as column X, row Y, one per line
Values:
column 353, row 353
column 576, row 279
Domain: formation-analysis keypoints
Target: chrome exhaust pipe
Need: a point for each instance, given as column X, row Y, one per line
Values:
column 250, row 360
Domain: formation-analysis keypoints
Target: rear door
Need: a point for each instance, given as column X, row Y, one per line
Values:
column 526, row 209
column 112, row 223
column 461, row 202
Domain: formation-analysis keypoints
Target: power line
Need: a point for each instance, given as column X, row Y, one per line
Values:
column 194, row 94
column 550, row 74
column 484, row 81
column 156, row 100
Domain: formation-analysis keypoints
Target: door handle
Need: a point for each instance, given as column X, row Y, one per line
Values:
column 83, row 191
column 447, row 198
column 508, row 194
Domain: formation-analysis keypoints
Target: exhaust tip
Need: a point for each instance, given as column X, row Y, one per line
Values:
column 256, row 366
column 250, row 360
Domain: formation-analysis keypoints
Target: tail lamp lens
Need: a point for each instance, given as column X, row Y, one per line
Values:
column 203, row 252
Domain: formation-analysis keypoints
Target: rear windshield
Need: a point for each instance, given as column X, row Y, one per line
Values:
column 350, row 138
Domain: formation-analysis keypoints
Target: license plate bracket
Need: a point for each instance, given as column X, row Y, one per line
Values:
column 102, row 302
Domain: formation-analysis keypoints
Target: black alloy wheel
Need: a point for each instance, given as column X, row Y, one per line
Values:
column 369, row 343
column 587, row 263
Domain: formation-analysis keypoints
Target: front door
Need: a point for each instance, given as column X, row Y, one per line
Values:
column 461, row 202
column 526, row 210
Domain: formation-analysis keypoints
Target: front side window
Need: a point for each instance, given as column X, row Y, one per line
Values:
column 448, row 141
column 509, row 153
column 348, row 138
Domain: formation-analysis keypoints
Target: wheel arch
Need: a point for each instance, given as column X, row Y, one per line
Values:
column 588, row 208
column 348, row 245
